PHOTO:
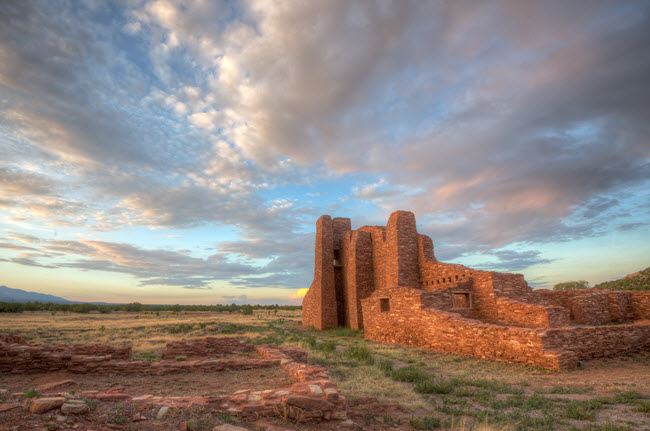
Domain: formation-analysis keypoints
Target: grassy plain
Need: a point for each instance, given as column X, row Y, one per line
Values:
column 417, row 389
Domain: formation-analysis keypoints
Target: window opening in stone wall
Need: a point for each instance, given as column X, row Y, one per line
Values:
column 456, row 277
column 462, row 300
column 337, row 258
column 384, row 305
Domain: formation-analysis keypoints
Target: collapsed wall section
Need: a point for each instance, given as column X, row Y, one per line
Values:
column 600, row 306
column 505, row 299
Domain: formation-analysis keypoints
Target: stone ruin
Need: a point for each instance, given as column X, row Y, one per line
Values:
column 387, row 280
column 313, row 397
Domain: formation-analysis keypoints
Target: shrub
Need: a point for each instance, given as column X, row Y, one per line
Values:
column 118, row 419
column 92, row 405
column 31, row 393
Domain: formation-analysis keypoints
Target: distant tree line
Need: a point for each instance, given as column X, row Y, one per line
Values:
column 570, row 285
column 18, row 307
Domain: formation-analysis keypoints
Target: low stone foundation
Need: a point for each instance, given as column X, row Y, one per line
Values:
column 313, row 397
column 205, row 347
column 18, row 356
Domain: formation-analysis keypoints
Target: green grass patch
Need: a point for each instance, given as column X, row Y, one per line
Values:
column 359, row 355
column 325, row 346
column 628, row 397
column 233, row 328
column 559, row 389
column 344, row 332
column 386, row 366
column 435, row 385
column 410, row 373
column 607, row 426
column 492, row 385
column 425, row 423
column 643, row 406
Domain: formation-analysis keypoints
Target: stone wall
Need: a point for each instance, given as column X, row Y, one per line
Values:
column 313, row 397
column 640, row 304
column 205, row 347
column 437, row 275
column 319, row 304
column 403, row 319
column 589, row 342
column 115, row 352
column 357, row 273
column 511, row 312
column 406, row 322
column 599, row 306
column 506, row 299
column 18, row 356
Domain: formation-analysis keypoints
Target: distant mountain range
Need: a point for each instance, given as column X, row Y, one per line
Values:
column 7, row 294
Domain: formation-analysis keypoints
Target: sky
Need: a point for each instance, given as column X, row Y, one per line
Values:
column 181, row 151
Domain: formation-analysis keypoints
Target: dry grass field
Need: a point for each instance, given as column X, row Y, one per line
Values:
column 388, row 386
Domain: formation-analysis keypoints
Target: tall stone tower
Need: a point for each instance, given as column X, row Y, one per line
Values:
column 350, row 265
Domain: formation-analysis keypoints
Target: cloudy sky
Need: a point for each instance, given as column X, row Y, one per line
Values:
column 181, row 151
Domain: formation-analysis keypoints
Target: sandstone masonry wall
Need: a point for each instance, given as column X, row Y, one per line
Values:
column 600, row 306
column 319, row 304
column 405, row 321
column 589, row 342
column 640, row 304
column 408, row 323
column 357, row 273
